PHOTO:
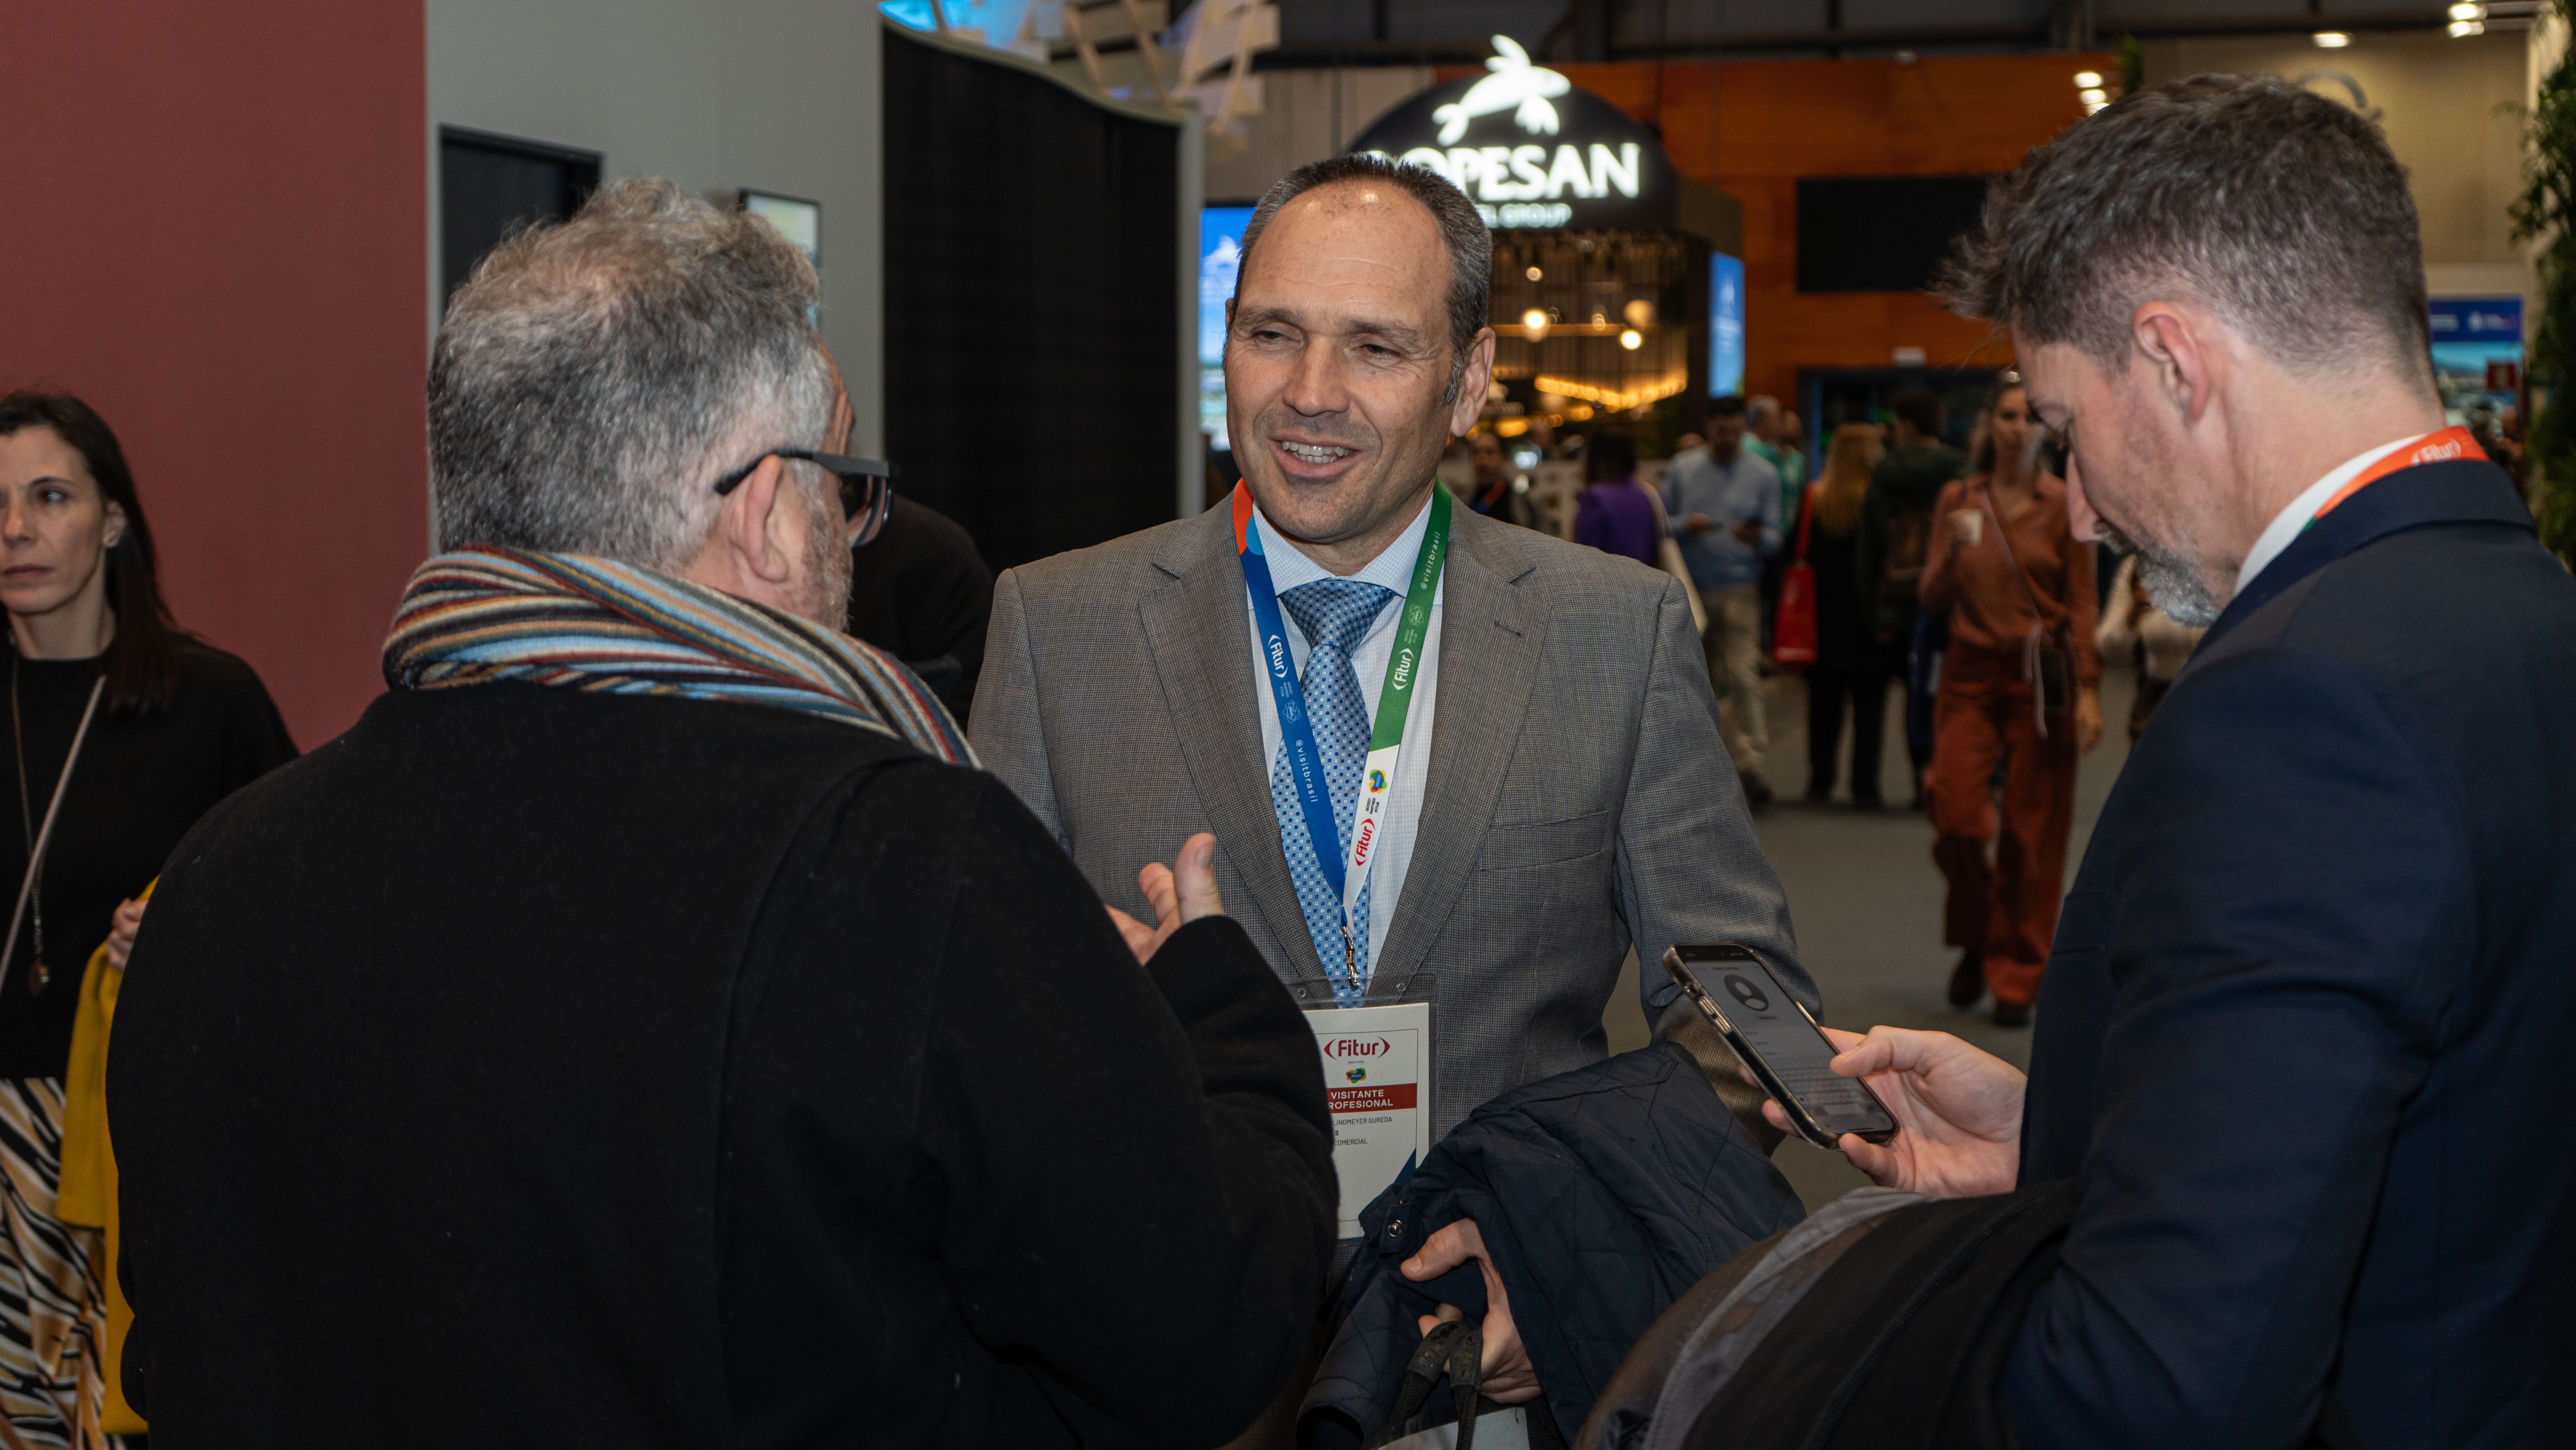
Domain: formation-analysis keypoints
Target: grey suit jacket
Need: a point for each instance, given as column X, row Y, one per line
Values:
column 1579, row 799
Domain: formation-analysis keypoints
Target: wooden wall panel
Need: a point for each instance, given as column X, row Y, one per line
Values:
column 1752, row 128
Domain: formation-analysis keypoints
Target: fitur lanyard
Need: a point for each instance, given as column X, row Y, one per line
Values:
column 2453, row 442
column 1344, row 871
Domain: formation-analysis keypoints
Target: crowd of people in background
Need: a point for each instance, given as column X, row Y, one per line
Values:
column 656, row 1017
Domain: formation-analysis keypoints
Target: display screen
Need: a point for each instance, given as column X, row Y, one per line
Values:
column 1725, row 325
column 799, row 221
column 1220, row 248
column 1881, row 233
column 1771, row 1024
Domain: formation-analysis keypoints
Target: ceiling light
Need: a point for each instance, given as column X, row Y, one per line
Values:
column 1534, row 274
column 2090, row 107
column 1536, row 321
column 2468, row 12
column 1632, row 339
column 2094, row 97
column 2460, row 28
column 2331, row 39
column 2088, row 79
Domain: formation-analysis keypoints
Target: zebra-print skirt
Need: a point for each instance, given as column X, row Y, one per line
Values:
column 53, row 1311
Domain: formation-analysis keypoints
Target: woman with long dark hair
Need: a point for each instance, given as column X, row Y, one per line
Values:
column 1852, row 667
column 2019, row 690
column 123, row 730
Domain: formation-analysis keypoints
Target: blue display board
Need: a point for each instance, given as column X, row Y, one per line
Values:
column 2469, row 334
column 1725, row 325
column 1220, row 247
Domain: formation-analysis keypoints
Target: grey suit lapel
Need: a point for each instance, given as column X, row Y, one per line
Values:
column 1491, row 632
column 1199, row 629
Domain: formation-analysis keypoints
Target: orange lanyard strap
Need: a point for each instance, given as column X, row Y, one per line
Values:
column 2431, row 448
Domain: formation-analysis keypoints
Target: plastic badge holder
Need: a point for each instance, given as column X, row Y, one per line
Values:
column 1379, row 1075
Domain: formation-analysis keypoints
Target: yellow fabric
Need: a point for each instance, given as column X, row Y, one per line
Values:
column 88, row 1193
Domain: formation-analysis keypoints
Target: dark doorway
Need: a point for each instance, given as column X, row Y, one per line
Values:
column 489, row 186
column 1838, row 396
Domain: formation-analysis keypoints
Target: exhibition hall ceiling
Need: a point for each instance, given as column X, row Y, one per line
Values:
column 1436, row 32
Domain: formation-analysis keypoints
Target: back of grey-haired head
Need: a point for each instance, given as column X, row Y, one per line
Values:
column 596, row 377
column 2281, row 210
column 1462, row 231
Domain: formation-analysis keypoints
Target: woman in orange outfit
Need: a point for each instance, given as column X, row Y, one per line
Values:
column 2019, row 689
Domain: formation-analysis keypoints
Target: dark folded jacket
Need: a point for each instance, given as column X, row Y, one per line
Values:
column 1602, row 1194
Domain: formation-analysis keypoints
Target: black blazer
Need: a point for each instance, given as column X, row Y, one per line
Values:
column 536, row 1067
column 2305, row 1034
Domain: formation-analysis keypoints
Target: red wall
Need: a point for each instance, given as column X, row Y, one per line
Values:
column 216, row 233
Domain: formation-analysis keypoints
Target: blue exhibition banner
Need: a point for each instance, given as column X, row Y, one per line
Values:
column 1220, row 252
column 1220, row 248
column 2477, row 348
column 1725, row 325
column 2477, row 319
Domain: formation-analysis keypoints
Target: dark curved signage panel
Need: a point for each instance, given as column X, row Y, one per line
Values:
column 1534, row 151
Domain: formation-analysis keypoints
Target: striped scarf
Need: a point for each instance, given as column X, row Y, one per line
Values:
column 485, row 613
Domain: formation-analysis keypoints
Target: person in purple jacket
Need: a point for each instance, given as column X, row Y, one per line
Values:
column 1615, row 513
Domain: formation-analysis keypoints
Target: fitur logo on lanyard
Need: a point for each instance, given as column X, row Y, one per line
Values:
column 1377, row 1059
column 2435, row 447
column 1344, row 871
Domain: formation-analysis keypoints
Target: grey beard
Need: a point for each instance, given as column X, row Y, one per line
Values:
column 2171, row 585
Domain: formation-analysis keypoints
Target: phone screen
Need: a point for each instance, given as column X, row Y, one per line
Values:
column 1790, row 1046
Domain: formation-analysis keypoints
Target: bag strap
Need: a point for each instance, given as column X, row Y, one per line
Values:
column 1806, row 518
column 2003, row 541
column 2038, row 621
column 1454, row 1349
column 45, row 836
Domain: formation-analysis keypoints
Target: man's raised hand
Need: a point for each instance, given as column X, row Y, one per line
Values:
column 1957, row 1110
column 1179, row 893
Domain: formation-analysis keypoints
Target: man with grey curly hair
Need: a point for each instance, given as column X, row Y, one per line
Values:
column 648, row 1027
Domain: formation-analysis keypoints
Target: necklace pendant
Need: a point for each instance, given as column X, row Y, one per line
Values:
column 39, row 977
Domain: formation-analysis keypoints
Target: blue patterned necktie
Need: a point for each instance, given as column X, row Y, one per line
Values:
column 1334, row 615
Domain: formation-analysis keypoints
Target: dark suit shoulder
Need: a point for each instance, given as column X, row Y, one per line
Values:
column 2469, row 608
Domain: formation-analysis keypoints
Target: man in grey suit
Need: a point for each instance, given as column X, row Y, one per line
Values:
column 1561, row 792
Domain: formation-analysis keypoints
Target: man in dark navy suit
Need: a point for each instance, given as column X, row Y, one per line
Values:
column 2303, row 1039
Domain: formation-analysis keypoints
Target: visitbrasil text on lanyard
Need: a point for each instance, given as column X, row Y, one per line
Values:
column 1344, row 870
column 2452, row 442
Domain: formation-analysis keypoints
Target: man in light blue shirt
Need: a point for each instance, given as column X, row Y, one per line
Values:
column 1725, row 505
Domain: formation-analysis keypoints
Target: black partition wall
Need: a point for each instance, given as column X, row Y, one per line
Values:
column 1032, row 299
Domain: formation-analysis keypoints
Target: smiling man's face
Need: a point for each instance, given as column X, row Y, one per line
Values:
column 1337, row 363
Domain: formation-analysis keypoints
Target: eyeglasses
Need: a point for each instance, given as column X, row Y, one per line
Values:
column 867, row 486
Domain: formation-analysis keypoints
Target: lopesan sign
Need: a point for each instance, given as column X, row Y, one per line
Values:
column 1534, row 152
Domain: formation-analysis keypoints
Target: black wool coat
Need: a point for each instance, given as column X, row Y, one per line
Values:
column 529, row 1066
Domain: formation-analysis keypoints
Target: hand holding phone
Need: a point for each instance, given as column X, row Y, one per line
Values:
column 1958, row 1112
column 1772, row 1035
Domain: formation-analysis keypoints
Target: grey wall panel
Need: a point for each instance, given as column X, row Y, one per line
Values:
column 776, row 95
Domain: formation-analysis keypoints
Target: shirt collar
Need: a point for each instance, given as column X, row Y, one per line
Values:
column 2287, row 524
column 1392, row 569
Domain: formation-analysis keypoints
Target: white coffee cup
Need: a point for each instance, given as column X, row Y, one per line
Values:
column 1974, row 522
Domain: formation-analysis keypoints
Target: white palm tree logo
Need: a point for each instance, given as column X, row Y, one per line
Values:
column 1515, row 83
